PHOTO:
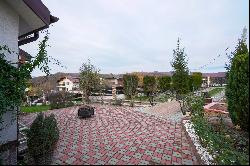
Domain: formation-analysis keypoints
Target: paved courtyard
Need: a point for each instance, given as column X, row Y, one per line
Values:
column 118, row 135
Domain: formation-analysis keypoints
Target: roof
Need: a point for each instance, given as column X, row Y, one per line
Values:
column 155, row 73
column 26, row 55
column 42, row 12
column 72, row 79
column 34, row 16
column 218, row 75
column 111, row 76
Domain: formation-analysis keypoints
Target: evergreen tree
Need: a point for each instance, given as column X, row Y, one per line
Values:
column 237, row 90
column 180, row 77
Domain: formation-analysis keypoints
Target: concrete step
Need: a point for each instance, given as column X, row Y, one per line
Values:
column 22, row 148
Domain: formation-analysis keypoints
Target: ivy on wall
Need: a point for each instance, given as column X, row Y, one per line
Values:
column 13, row 80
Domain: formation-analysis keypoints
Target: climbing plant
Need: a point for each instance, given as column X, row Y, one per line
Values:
column 13, row 79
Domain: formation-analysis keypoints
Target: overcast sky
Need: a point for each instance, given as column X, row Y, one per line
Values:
column 120, row 36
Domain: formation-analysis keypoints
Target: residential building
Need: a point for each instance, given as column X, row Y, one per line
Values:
column 112, row 80
column 68, row 84
column 20, row 23
column 23, row 57
column 213, row 79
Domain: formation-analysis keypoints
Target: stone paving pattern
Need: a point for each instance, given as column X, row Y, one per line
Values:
column 118, row 136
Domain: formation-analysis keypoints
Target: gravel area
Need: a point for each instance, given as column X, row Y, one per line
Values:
column 168, row 110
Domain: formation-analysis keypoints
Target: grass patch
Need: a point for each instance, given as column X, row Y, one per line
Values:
column 38, row 108
column 215, row 91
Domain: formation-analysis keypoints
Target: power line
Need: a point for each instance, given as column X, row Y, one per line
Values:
column 210, row 63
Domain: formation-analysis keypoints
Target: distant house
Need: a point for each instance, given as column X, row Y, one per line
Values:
column 213, row 79
column 112, row 80
column 20, row 23
column 68, row 84
column 23, row 57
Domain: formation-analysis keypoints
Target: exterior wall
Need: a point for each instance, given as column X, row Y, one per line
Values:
column 9, row 23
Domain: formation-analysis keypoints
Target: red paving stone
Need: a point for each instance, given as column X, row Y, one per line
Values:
column 118, row 136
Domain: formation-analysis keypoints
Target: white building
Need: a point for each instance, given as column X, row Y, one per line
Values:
column 68, row 84
column 20, row 23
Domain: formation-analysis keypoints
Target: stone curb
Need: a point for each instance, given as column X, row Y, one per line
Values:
column 193, row 148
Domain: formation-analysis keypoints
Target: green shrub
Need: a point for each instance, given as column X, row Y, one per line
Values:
column 237, row 90
column 223, row 147
column 118, row 102
column 60, row 100
column 42, row 136
column 164, row 83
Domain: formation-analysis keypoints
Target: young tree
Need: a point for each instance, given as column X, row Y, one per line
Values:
column 180, row 77
column 150, row 87
column 237, row 90
column 164, row 83
column 89, row 79
column 130, row 86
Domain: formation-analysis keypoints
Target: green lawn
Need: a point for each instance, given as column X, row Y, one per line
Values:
column 39, row 108
column 215, row 91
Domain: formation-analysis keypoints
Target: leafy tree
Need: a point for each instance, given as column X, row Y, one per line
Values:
column 89, row 79
column 164, row 83
column 14, row 80
column 195, row 81
column 130, row 86
column 237, row 90
column 180, row 76
column 150, row 87
column 140, row 76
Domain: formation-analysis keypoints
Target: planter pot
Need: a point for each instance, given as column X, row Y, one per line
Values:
column 86, row 112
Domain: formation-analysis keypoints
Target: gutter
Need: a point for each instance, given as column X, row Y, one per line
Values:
column 24, row 40
column 29, row 39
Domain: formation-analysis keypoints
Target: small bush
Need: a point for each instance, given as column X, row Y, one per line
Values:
column 60, row 100
column 118, row 102
column 42, row 136
column 220, row 143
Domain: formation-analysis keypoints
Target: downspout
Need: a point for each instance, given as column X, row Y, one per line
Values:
column 29, row 40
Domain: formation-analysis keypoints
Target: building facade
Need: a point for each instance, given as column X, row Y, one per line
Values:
column 68, row 84
column 213, row 79
column 20, row 23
